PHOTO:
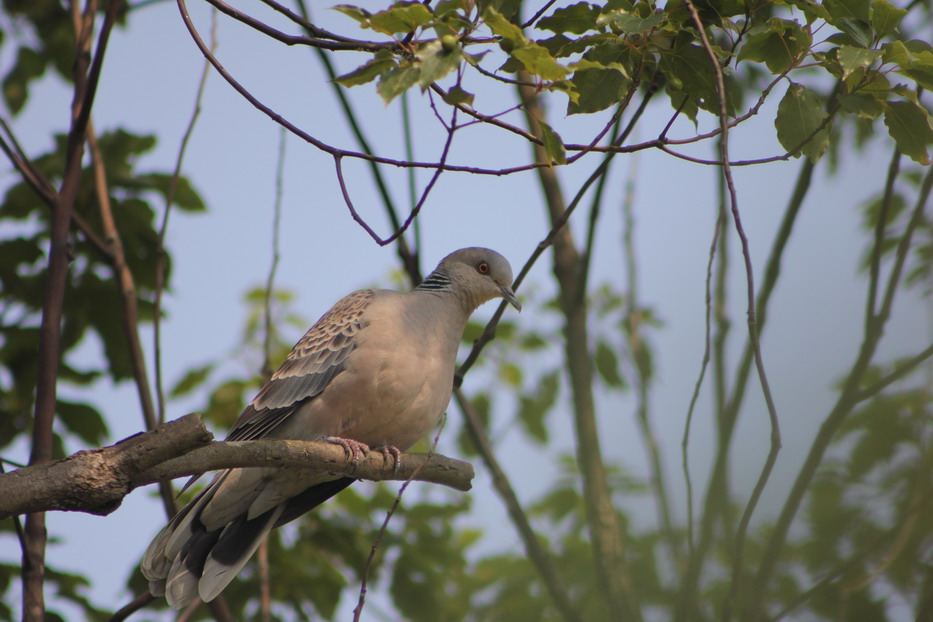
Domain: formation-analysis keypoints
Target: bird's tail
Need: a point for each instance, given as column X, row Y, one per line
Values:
column 186, row 561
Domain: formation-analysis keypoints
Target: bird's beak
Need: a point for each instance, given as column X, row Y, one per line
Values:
column 510, row 298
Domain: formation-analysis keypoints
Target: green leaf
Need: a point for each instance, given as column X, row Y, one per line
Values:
column 511, row 374
column 396, row 81
column 853, row 58
column 502, row 27
column 437, row 62
column 481, row 406
column 576, row 18
column 852, row 17
column 534, row 407
column 537, row 60
column 456, row 95
column 472, row 332
column 896, row 52
column 885, row 17
column 799, row 114
column 184, row 197
column 354, row 12
column 402, row 17
column 922, row 74
column 920, row 68
column 778, row 44
column 849, row 9
column 854, row 32
column 553, row 145
column 28, row 66
column 624, row 21
column 532, row 341
column 909, row 125
column 688, row 67
column 812, row 9
column 508, row 8
column 447, row 6
column 598, row 89
column 83, row 420
column 367, row 71
column 193, row 379
column 863, row 105
column 607, row 364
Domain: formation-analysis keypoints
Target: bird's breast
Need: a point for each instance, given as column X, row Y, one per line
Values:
column 395, row 391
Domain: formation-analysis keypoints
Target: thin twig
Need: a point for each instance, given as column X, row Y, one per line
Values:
column 126, row 285
column 416, row 210
column 27, row 170
column 752, row 319
column 161, row 255
column 902, row 370
column 685, row 441
column 878, row 247
column 843, row 407
column 638, row 351
column 408, row 257
column 273, row 267
column 358, row 610
column 540, row 12
column 717, row 498
column 327, row 44
column 132, row 607
column 537, row 553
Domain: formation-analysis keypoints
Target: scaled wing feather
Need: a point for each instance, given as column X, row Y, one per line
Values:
column 316, row 359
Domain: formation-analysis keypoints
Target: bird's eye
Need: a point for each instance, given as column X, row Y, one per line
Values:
column 482, row 267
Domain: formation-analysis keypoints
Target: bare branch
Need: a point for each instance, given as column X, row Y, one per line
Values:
column 161, row 255
column 408, row 257
column 342, row 43
column 96, row 481
column 902, row 370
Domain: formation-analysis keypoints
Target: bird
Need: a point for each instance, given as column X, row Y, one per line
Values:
column 376, row 371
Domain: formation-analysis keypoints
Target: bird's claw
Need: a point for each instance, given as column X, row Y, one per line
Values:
column 355, row 449
column 390, row 450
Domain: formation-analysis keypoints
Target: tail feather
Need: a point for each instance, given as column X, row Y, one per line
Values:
column 186, row 561
column 237, row 543
column 311, row 498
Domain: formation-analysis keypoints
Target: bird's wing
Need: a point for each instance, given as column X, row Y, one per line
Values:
column 315, row 360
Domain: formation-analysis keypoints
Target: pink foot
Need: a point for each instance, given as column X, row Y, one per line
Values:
column 389, row 450
column 355, row 449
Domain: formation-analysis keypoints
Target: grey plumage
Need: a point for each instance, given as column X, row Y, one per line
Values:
column 376, row 369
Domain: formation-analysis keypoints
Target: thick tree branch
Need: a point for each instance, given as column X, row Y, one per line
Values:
column 96, row 481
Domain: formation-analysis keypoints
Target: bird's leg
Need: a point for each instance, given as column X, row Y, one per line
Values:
column 355, row 449
column 390, row 450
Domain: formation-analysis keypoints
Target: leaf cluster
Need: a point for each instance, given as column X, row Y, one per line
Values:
column 596, row 54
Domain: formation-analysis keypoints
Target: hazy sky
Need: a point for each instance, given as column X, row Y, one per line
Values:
column 148, row 85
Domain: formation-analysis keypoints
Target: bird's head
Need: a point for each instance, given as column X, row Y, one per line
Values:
column 480, row 274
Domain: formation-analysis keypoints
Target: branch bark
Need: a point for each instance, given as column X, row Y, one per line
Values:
column 96, row 481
